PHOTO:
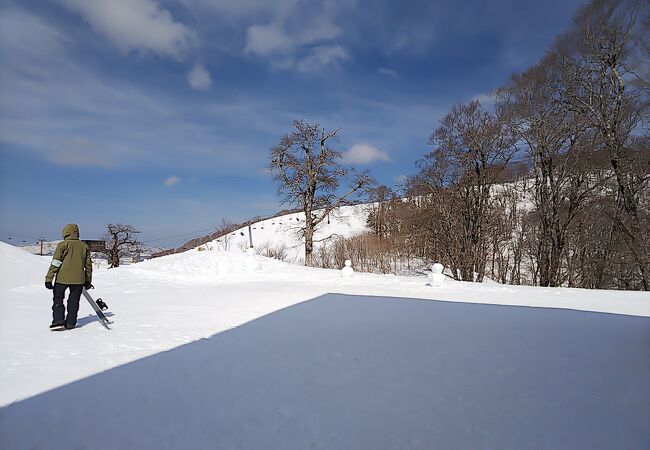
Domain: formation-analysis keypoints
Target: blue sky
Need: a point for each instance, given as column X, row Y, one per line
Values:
column 160, row 114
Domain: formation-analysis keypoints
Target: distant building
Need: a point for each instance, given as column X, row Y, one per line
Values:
column 95, row 246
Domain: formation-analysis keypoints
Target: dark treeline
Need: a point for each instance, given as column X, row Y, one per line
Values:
column 548, row 187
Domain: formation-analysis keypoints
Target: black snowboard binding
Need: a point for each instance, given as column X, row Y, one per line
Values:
column 103, row 306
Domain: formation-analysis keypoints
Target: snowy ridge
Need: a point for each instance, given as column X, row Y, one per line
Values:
column 345, row 221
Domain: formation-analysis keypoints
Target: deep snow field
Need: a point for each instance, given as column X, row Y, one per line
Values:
column 187, row 300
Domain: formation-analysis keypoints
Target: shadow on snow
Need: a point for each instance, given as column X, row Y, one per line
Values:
column 350, row 372
column 92, row 318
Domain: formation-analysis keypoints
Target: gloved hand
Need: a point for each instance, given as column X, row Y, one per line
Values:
column 49, row 285
column 87, row 285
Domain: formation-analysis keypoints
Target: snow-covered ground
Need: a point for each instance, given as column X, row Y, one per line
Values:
column 161, row 304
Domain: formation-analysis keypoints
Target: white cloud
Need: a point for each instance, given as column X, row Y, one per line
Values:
column 241, row 8
column 323, row 56
column 111, row 120
column 364, row 154
column 323, row 29
column 415, row 39
column 199, row 78
column 264, row 40
column 135, row 25
column 172, row 181
column 388, row 72
column 274, row 38
column 296, row 44
column 105, row 121
column 486, row 100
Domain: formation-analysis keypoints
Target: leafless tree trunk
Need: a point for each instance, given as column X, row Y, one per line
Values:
column 309, row 174
column 118, row 240
column 558, row 147
column 473, row 148
column 224, row 231
column 598, row 72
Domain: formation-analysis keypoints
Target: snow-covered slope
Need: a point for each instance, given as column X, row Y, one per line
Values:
column 21, row 270
column 285, row 231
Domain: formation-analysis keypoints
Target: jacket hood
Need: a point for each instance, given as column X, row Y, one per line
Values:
column 70, row 231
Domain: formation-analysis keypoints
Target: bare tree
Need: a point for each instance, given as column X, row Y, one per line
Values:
column 309, row 173
column 557, row 147
column 506, row 234
column 224, row 231
column 136, row 250
column 599, row 75
column 473, row 147
column 382, row 199
column 119, row 239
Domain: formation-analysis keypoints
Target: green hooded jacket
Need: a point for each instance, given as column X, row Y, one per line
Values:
column 71, row 261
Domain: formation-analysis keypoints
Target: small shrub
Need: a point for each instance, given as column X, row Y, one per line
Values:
column 278, row 251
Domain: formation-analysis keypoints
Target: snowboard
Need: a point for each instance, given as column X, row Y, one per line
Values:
column 102, row 318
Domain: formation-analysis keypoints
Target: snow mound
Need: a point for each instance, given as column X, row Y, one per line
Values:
column 20, row 269
column 203, row 266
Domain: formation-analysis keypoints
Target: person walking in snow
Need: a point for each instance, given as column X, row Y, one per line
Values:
column 72, row 266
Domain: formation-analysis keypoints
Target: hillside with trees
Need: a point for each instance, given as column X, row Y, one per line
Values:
column 549, row 186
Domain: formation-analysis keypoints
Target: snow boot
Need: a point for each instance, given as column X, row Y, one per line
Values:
column 57, row 326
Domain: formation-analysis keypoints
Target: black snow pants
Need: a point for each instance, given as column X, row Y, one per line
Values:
column 58, row 310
